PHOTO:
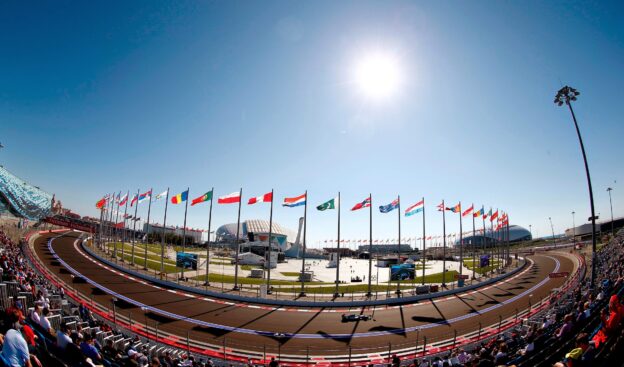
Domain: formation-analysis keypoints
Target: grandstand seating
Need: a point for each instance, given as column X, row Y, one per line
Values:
column 22, row 198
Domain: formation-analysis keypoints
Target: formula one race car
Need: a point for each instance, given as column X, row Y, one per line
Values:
column 355, row 317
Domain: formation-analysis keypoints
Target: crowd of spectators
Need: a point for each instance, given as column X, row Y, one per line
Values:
column 562, row 323
column 27, row 337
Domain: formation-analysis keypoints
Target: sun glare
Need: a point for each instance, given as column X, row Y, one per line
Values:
column 378, row 76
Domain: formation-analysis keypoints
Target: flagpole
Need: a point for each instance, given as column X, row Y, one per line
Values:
column 443, row 245
column 240, row 200
column 493, row 243
column 162, row 240
column 423, row 244
column 398, row 291
column 207, row 283
column 473, row 243
column 184, row 233
column 305, row 227
column 109, row 205
column 338, row 251
column 123, row 243
column 134, row 227
column 461, row 242
column 270, row 234
column 149, row 209
column 101, row 222
column 370, row 248
column 483, row 244
column 508, row 241
column 116, row 232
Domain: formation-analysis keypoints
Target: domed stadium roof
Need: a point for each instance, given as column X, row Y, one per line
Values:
column 227, row 232
column 22, row 199
column 516, row 234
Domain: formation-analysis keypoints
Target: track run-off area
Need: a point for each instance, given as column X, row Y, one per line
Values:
column 298, row 335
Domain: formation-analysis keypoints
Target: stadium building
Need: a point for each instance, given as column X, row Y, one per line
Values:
column 516, row 234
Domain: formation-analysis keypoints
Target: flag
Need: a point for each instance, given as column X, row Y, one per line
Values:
column 455, row 209
column 441, row 207
column 468, row 211
column 145, row 196
column 117, row 198
column 123, row 200
column 390, row 207
column 100, row 204
column 416, row 208
column 488, row 214
column 162, row 195
column 183, row 196
column 479, row 213
column 296, row 201
column 207, row 196
column 230, row 199
column 494, row 216
column 266, row 198
column 331, row 204
column 364, row 204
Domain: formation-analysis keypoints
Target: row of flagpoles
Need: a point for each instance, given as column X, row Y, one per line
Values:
column 108, row 203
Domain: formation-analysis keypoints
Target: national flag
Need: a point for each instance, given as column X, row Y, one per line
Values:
column 145, row 196
column 135, row 198
column 230, row 199
column 296, row 201
column 441, row 207
column 416, row 208
column 455, row 209
column 123, row 200
column 364, row 204
column 488, row 214
column 330, row 204
column 468, row 211
column 266, row 198
column 117, row 198
column 100, row 204
column 207, row 196
column 479, row 213
column 494, row 216
column 162, row 195
column 390, row 207
column 183, row 196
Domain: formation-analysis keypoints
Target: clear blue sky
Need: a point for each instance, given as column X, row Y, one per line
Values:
column 100, row 96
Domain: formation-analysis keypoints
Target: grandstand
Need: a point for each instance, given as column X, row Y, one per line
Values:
column 20, row 199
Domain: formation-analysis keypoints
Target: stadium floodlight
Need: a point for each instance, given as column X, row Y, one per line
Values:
column 565, row 95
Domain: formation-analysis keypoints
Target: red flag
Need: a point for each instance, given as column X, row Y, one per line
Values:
column 266, row 198
column 100, row 204
column 468, row 211
column 494, row 216
column 441, row 207
column 230, row 199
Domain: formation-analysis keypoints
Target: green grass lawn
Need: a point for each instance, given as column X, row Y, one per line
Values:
column 139, row 253
column 223, row 278
column 290, row 273
column 150, row 264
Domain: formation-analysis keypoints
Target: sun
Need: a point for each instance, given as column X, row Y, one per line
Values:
column 378, row 75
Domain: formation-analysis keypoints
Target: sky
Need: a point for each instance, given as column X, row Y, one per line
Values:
column 107, row 96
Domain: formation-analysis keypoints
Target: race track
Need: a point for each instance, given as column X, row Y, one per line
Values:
column 249, row 327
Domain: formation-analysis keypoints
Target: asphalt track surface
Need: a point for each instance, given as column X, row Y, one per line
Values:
column 311, row 330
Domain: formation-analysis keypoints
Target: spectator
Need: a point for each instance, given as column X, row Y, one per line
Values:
column 44, row 322
column 62, row 337
column 14, row 347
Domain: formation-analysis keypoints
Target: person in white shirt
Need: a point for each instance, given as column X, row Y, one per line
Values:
column 35, row 315
column 62, row 337
column 43, row 320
